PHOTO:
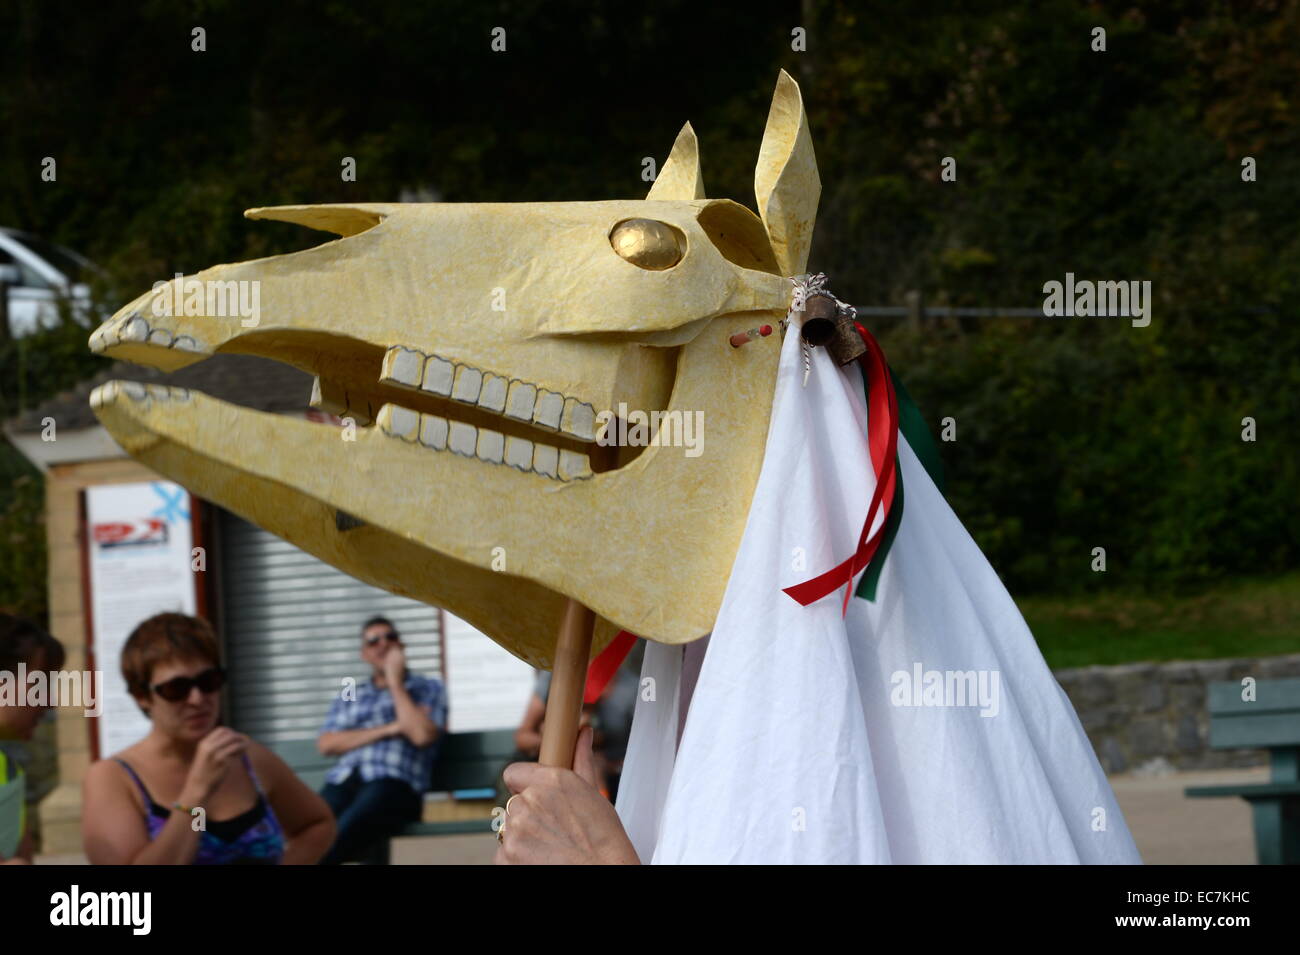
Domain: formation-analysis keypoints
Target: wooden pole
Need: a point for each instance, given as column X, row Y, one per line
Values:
column 568, row 680
column 572, row 653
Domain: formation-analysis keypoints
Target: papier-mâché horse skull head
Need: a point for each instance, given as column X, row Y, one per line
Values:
column 480, row 348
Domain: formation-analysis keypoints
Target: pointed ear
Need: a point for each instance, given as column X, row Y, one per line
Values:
column 344, row 220
column 785, row 180
column 680, row 178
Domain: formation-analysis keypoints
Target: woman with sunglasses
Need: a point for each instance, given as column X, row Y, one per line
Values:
column 193, row 792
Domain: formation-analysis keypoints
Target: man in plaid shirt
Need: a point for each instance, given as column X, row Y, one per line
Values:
column 387, row 734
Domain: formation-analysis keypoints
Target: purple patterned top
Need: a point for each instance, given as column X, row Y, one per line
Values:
column 251, row 838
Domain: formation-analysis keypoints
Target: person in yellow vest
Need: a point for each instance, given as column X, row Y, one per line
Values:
column 24, row 648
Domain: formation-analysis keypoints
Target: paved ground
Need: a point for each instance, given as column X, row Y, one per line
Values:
column 1169, row 828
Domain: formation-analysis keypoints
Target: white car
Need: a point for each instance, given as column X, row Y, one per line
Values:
column 36, row 274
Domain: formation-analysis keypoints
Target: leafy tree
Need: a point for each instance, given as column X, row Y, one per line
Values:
column 1123, row 164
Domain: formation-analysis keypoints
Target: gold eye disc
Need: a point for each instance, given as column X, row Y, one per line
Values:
column 647, row 243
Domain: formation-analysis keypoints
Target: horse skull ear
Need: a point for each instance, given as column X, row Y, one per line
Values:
column 342, row 220
column 680, row 178
column 786, row 183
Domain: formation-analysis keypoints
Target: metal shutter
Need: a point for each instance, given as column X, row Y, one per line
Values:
column 292, row 629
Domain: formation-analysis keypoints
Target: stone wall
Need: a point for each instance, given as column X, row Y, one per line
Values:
column 1150, row 717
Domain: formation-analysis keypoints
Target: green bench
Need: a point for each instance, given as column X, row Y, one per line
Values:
column 1272, row 722
column 469, row 766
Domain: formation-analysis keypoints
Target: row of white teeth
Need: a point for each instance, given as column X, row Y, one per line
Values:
column 108, row 392
column 409, row 368
column 436, row 432
column 412, row 369
column 520, row 400
column 432, row 431
column 134, row 328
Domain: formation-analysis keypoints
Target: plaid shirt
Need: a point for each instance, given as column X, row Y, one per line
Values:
column 395, row 757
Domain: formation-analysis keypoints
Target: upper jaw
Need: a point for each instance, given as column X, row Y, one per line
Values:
column 443, row 398
column 134, row 334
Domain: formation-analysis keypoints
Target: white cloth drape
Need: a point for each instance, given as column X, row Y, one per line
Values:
column 805, row 741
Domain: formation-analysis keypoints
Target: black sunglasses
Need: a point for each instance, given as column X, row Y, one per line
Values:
column 390, row 635
column 178, row 688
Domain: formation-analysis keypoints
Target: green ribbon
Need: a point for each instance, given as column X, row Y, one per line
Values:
column 917, row 432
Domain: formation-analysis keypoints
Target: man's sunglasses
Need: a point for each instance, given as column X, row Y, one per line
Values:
column 391, row 635
column 178, row 688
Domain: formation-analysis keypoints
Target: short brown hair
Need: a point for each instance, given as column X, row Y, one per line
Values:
column 21, row 640
column 161, row 639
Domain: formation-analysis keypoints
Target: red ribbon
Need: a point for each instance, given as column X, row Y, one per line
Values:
column 604, row 667
column 882, row 432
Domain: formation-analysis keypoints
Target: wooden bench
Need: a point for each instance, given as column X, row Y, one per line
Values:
column 1272, row 722
column 468, row 766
